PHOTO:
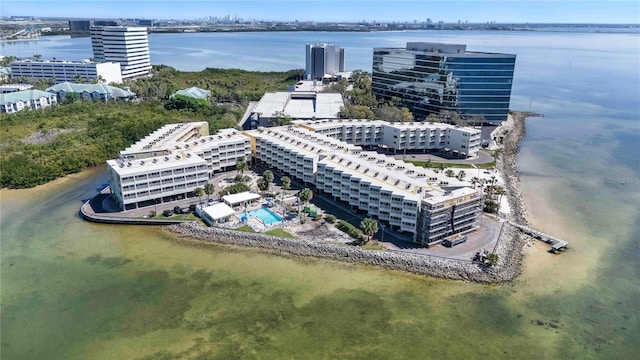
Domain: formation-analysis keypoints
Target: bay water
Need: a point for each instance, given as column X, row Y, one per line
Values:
column 76, row 290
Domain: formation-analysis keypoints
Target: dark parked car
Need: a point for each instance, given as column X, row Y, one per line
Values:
column 178, row 210
column 167, row 213
column 192, row 207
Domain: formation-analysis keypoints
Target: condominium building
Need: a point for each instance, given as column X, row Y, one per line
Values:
column 128, row 46
column 136, row 183
column 443, row 215
column 62, row 71
column 398, row 136
column 433, row 77
column 176, row 159
column 386, row 188
column 295, row 151
column 323, row 60
column 26, row 99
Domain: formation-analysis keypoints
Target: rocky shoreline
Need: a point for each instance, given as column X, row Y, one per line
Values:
column 509, row 247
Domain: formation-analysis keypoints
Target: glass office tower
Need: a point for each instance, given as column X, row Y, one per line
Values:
column 433, row 77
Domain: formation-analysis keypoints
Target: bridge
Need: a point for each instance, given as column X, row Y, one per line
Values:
column 556, row 244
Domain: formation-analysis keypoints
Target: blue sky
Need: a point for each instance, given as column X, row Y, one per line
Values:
column 545, row 11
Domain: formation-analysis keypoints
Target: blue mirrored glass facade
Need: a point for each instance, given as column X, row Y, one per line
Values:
column 432, row 77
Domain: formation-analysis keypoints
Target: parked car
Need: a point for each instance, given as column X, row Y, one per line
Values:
column 167, row 213
column 178, row 210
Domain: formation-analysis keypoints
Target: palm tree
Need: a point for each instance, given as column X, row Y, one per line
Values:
column 241, row 165
column 474, row 181
column 369, row 227
column 199, row 192
column 461, row 174
column 441, row 167
column 305, row 196
column 263, row 185
column 268, row 176
column 286, row 185
column 209, row 189
column 450, row 173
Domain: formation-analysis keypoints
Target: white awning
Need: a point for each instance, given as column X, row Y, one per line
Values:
column 235, row 199
column 218, row 211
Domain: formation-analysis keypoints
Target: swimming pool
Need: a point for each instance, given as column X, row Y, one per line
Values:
column 266, row 215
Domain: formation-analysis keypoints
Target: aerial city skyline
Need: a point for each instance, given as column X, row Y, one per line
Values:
column 601, row 12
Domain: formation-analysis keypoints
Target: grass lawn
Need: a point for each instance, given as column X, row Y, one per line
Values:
column 190, row 216
column 280, row 232
column 245, row 228
column 372, row 246
column 273, row 232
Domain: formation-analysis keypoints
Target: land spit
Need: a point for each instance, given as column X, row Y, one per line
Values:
column 509, row 247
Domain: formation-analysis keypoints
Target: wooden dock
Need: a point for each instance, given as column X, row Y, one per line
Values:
column 556, row 244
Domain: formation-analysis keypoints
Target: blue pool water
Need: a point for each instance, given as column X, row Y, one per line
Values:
column 265, row 215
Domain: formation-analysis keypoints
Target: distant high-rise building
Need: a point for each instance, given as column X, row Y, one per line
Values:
column 128, row 46
column 79, row 25
column 323, row 59
column 433, row 77
column 105, row 23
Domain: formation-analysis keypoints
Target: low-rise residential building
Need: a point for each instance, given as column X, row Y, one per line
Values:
column 176, row 159
column 61, row 71
column 26, row 99
column 91, row 91
column 400, row 136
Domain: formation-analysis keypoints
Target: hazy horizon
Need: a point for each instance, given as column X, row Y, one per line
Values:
column 623, row 12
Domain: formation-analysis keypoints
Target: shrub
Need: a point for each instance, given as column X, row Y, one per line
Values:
column 330, row 218
column 350, row 230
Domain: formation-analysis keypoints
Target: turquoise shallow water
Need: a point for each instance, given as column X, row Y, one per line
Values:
column 76, row 290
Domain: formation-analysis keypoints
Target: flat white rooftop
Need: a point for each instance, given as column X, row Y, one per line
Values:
column 300, row 105
column 436, row 198
column 239, row 198
column 303, row 140
column 219, row 211
column 131, row 167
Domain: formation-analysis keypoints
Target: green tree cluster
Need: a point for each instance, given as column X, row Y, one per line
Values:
column 234, row 189
column 360, row 103
column 71, row 137
column 181, row 102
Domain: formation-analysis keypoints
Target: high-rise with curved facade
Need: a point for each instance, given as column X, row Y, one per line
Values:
column 433, row 77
